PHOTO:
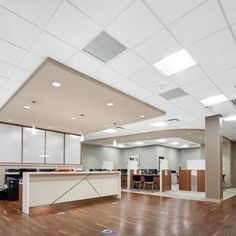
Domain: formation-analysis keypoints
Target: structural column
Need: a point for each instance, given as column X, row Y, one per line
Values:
column 213, row 156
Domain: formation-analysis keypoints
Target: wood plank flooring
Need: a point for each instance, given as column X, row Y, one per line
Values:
column 135, row 214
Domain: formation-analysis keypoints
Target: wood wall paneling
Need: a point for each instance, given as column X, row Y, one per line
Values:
column 185, row 180
column 201, row 180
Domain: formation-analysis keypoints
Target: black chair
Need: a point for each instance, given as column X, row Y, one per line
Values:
column 148, row 181
column 136, row 181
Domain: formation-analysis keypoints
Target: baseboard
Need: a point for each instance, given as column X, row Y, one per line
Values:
column 214, row 200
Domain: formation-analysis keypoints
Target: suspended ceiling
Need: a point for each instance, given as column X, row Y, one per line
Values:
column 205, row 28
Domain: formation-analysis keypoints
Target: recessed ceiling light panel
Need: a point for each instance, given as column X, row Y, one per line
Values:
column 159, row 124
column 162, row 140
column 175, row 63
column 214, row 100
column 27, row 107
column 174, row 143
column 230, row 118
column 110, row 131
column 73, row 118
column 185, row 146
column 138, row 143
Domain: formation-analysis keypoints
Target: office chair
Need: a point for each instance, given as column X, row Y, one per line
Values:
column 148, row 180
column 136, row 180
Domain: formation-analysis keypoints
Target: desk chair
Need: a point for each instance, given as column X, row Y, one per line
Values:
column 136, row 180
column 148, row 180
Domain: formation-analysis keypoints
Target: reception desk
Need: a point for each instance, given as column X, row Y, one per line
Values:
column 57, row 187
column 192, row 180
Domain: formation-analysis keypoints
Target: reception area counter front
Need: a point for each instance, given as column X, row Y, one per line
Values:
column 57, row 187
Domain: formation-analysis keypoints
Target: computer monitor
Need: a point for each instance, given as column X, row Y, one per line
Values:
column 26, row 170
column 152, row 171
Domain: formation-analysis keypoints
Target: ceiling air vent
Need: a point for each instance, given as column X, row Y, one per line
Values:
column 173, row 120
column 119, row 127
column 104, row 47
column 234, row 102
column 173, row 93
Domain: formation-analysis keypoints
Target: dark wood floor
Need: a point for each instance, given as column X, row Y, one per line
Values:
column 135, row 214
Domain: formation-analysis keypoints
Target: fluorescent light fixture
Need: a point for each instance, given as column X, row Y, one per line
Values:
column 138, row 143
column 110, row 104
column 73, row 118
column 214, row 100
column 175, row 62
column 120, row 145
column 27, row 107
column 230, row 118
column 159, row 124
column 162, row 140
column 184, row 146
column 110, row 131
column 174, row 143
column 114, row 143
column 56, row 84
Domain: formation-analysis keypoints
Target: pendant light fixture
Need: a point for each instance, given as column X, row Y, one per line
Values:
column 33, row 129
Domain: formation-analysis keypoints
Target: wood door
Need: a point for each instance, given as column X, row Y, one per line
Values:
column 185, row 180
column 201, row 180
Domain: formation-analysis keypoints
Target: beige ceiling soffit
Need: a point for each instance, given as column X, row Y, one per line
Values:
column 79, row 94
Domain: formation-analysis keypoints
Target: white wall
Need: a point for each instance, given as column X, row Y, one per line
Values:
column 171, row 154
column 189, row 154
column 92, row 156
column 147, row 155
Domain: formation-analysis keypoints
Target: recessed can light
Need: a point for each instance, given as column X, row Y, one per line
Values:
column 141, row 116
column 73, row 118
column 56, row 84
column 27, row 107
column 10, row 120
column 110, row 104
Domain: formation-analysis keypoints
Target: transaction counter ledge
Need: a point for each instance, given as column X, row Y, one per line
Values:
column 49, row 188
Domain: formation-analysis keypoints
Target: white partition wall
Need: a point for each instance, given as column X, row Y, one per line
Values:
column 72, row 149
column 19, row 146
column 10, row 143
column 54, row 148
column 33, row 146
